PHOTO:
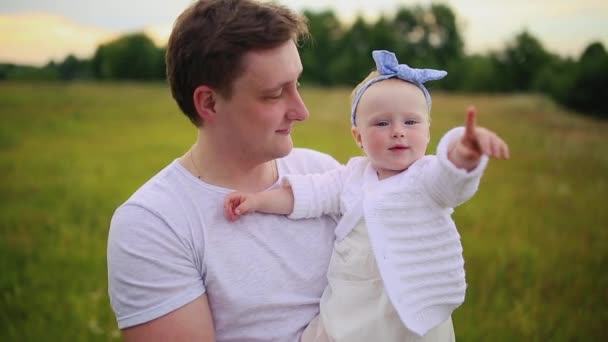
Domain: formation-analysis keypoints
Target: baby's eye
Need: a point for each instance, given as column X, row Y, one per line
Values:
column 411, row 122
column 382, row 123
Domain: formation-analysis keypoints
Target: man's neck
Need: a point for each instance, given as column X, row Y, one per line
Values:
column 229, row 170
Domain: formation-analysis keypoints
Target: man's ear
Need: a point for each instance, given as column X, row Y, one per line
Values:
column 357, row 136
column 204, row 101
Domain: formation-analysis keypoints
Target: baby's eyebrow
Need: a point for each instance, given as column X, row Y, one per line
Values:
column 415, row 116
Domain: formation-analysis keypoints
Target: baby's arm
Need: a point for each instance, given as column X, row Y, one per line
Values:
column 466, row 152
column 301, row 196
column 462, row 155
column 277, row 201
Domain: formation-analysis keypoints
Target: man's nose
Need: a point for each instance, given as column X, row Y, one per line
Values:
column 297, row 111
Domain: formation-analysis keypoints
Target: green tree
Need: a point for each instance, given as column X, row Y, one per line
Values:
column 404, row 26
column 520, row 63
column 475, row 73
column 447, row 46
column 131, row 57
column 382, row 35
column 556, row 78
column 589, row 89
column 353, row 58
column 428, row 37
column 69, row 68
column 320, row 49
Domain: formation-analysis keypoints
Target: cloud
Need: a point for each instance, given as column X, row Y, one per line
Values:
column 36, row 38
column 159, row 33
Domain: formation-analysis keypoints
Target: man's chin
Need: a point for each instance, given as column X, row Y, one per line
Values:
column 284, row 149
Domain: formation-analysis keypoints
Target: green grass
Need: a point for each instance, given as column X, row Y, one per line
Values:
column 535, row 235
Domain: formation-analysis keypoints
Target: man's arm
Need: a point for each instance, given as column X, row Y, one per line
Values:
column 155, row 278
column 191, row 322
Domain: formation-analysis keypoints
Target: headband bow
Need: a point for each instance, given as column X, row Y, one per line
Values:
column 388, row 67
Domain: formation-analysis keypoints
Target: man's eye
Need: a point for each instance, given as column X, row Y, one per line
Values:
column 274, row 96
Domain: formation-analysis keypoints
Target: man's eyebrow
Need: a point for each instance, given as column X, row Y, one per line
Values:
column 282, row 85
column 273, row 89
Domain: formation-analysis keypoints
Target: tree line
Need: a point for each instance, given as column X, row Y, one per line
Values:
column 337, row 55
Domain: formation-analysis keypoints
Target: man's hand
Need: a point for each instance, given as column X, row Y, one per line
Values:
column 466, row 152
column 239, row 203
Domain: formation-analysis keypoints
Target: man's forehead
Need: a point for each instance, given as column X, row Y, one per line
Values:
column 273, row 67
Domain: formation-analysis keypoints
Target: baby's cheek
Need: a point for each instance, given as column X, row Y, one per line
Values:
column 376, row 143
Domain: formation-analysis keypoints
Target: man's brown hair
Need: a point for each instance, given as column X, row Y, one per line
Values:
column 209, row 40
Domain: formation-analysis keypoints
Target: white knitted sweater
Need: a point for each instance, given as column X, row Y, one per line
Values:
column 412, row 234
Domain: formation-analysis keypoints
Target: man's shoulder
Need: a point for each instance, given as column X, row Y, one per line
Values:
column 304, row 160
column 161, row 204
column 160, row 191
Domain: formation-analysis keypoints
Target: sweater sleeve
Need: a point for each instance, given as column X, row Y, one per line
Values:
column 448, row 185
column 317, row 194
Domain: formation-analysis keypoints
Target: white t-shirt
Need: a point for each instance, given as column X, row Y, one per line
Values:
column 263, row 274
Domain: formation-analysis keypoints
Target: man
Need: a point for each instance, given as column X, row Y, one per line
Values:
column 178, row 271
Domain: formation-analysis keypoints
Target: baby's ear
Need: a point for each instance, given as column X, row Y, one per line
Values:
column 357, row 136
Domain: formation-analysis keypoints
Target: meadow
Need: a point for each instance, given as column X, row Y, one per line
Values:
column 535, row 235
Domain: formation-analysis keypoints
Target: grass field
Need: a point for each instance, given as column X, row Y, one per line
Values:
column 535, row 235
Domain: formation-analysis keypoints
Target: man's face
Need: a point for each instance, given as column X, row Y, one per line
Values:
column 256, row 122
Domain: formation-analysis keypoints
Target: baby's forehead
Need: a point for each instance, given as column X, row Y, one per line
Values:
column 393, row 96
column 397, row 84
column 393, row 90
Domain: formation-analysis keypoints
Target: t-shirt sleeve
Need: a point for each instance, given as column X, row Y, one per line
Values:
column 152, row 270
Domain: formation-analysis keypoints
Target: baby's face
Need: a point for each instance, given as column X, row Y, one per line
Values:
column 392, row 125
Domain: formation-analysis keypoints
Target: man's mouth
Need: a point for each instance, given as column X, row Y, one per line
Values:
column 284, row 131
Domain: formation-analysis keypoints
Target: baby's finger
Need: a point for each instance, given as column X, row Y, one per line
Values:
column 243, row 208
column 492, row 148
column 498, row 150
column 227, row 207
column 499, row 144
column 504, row 150
column 228, row 211
column 484, row 144
column 234, row 203
column 470, row 122
column 501, row 149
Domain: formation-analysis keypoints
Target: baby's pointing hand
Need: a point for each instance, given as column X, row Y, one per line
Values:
column 476, row 141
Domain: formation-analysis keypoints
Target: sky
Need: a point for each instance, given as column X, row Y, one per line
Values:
column 36, row 31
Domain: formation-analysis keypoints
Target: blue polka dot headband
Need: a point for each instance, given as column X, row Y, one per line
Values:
column 388, row 67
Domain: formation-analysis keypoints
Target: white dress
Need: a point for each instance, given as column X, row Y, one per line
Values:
column 355, row 306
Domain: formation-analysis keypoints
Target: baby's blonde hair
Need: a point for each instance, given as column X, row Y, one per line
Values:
column 373, row 75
